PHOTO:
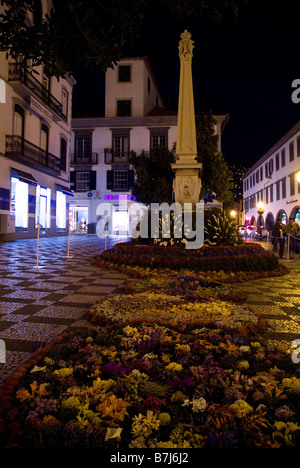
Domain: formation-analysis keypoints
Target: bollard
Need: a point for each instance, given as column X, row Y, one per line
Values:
column 69, row 241
column 38, row 243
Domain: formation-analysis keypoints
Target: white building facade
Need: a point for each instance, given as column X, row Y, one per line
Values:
column 135, row 120
column 271, row 187
column 35, row 139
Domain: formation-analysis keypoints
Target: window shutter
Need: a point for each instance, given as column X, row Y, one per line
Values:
column 73, row 180
column 130, row 179
column 110, row 180
column 93, row 180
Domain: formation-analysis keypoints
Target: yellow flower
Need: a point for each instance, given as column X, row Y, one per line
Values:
column 183, row 347
column 173, row 366
column 49, row 361
column 243, row 365
column 114, row 408
column 63, row 372
column 241, row 408
column 23, row 395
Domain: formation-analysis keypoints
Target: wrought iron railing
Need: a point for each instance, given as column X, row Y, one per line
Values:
column 18, row 146
column 84, row 159
column 17, row 72
column 112, row 157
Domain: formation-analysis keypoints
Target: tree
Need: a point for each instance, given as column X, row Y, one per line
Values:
column 216, row 176
column 79, row 34
column 154, row 176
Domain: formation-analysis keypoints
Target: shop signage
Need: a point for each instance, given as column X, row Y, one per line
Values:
column 291, row 201
column 119, row 197
column 39, row 109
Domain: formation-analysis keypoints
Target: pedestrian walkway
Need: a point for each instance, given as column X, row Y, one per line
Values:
column 40, row 300
column 278, row 301
column 42, row 297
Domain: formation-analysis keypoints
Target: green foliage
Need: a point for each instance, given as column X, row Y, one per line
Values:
column 154, row 176
column 220, row 230
column 74, row 36
column 216, row 176
column 78, row 34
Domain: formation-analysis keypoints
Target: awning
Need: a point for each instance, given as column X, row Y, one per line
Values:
column 65, row 190
column 23, row 176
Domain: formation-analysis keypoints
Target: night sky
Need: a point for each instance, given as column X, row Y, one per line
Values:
column 241, row 66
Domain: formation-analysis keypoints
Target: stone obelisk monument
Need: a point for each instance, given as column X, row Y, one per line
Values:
column 187, row 182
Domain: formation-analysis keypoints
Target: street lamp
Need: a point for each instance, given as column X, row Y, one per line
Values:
column 260, row 212
column 298, row 176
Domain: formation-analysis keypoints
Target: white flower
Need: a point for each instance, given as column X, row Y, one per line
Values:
column 199, row 404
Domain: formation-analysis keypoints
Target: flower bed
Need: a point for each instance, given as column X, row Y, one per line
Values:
column 177, row 362
column 193, row 287
column 239, row 262
column 147, row 385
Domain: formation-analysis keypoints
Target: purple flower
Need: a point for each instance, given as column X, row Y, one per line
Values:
column 284, row 412
column 224, row 440
column 112, row 368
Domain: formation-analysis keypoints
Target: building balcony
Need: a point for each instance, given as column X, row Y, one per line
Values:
column 87, row 159
column 25, row 83
column 116, row 157
column 25, row 152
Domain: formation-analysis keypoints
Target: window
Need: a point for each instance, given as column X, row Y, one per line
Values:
column 277, row 190
column 149, row 85
column 292, row 185
column 46, row 80
column 267, row 195
column 61, row 210
column 298, row 146
column 19, row 202
column 43, row 206
column 44, row 138
column 284, row 188
column 64, row 102
column 291, row 151
column 283, row 158
column 158, row 138
column 83, row 180
column 271, row 168
column 120, row 145
column 63, row 154
column 277, row 161
column 271, row 193
column 124, row 108
column 83, row 146
column 158, row 141
column 120, row 180
column 124, row 73
column 19, row 121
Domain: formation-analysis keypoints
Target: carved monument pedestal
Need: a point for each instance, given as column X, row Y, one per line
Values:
column 187, row 181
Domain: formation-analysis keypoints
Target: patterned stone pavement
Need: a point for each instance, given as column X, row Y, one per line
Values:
column 40, row 300
column 39, row 303
column 278, row 301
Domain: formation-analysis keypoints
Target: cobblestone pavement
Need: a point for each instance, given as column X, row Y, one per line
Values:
column 39, row 302
column 278, row 301
column 41, row 299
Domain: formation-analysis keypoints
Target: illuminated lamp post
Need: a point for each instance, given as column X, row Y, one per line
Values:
column 260, row 212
